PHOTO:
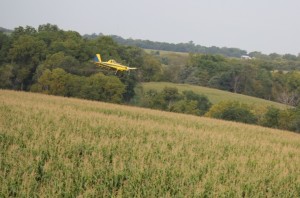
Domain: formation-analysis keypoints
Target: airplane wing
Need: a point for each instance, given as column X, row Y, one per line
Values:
column 111, row 64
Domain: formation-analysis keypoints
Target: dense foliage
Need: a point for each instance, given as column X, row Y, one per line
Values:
column 29, row 59
column 286, row 119
column 234, row 111
column 94, row 87
column 169, row 99
column 255, row 77
column 191, row 47
column 180, row 47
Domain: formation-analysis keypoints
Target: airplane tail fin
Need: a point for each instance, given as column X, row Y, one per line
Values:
column 98, row 58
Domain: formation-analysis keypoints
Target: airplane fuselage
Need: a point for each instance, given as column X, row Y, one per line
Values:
column 111, row 64
column 114, row 65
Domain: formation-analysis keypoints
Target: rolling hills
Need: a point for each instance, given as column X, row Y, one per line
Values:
column 214, row 95
column 53, row 146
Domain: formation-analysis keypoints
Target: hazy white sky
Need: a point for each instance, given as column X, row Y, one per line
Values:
column 257, row 25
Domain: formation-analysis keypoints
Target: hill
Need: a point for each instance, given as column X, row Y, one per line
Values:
column 170, row 58
column 62, row 147
column 178, row 47
column 214, row 95
column 164, row 52
column 7, row 31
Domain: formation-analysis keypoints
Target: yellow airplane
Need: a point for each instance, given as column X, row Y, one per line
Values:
column 111, row 64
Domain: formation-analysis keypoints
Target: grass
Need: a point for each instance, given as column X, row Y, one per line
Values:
column 61, row 147
column 214, row 95
column 163, row 52
column 174, row 59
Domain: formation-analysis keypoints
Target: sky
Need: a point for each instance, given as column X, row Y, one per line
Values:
column 267, row 26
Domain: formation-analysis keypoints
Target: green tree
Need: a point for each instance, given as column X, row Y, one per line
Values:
column 52, row 36
column 5, row 44
column 155, row 100
column 201, row 68
column 262, row 84
column 130, row 82
column 27, row 52
column 52, row 82
column 103, row 88
column 48, row 28
column 170, row 99
column 6, row 74
column 289, row 57
column 258, row 55
column 289, row 119
column 150, row 70
column 232, row 110
column 186, row 106
column 271, row 118
column 275, row 56
column 202, row 102
column 106, row 47
column 60, row 60
column 21, row 31
column 286, row 87
column 170, row 95
column 75, row 85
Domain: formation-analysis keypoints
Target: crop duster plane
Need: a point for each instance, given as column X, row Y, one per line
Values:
column 111, row 64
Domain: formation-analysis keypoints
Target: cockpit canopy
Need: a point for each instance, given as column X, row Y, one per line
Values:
column 112, row 61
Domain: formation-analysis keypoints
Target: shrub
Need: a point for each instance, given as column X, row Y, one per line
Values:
column 170, row 99
column 289, row 119
column 186, row 106
column 271, row 118
column 153, row 99
column 96, row 87
column 232, row 110
column 202, row 102
column 52, row 82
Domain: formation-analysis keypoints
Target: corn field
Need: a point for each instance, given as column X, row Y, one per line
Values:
column 62, row 147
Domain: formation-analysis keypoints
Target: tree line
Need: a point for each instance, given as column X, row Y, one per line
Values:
column 191, row 47
column 188, row 102
column 180, row 47
column 49, row 60
column 169, row 99
column 265, row 79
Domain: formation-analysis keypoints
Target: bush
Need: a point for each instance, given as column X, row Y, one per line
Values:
column 185, row 106
column 96, row 87
column 202, row 102
column 271, row 118
column 52, row 82
column 234, row 111
column 103, row 88
column 170, row 99
column 154, row 100
column 289, row 119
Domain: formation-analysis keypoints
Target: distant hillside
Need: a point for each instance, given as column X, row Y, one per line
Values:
column 5, row 30
column 191, row 47
column 214, row 95
column 181, row 47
